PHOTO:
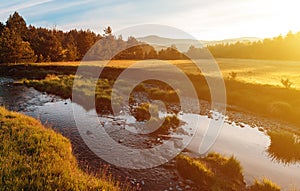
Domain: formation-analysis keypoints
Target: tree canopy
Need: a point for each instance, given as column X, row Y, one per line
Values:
column 277, row 48
column 22, row 43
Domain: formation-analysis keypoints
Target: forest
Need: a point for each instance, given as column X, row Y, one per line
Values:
column 278, row 48
column 20, row 43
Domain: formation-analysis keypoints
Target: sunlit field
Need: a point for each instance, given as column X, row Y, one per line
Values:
column 269, row 72
column 262, row 71
column 206, row 97
column 260, row 80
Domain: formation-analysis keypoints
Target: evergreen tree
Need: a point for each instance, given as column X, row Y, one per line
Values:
column 16, row 23
column 13, row 49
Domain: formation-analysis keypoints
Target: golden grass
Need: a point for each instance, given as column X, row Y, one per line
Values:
column 248, row 70
column 245, row 90
column 264, row 185
column 33, row 157
column 217, row 172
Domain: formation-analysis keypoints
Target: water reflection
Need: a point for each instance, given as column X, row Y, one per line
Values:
column 260, row 154
column 284, row 147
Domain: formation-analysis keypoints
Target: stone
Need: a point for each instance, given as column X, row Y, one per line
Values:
column 188, row 181
column 187, row 187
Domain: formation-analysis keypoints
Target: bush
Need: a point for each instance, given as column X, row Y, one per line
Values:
column 286, row 83
column 170, row 123
column 224, row 173
column 232, row 75
column 141, row 112
column 194, row 170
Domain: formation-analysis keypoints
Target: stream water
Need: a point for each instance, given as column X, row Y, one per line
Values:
column 248, row 144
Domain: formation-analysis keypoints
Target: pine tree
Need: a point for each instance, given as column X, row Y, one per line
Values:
column 16, row 23
column 13, row 49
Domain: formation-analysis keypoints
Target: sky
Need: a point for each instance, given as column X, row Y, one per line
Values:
column 202, row 19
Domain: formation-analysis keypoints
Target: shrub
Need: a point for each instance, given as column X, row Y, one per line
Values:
column 264, row 185
column 170, row 123
column 194, row 170
column 141, row 112
column 212, row 172
column 232, row 75
column 286, row 83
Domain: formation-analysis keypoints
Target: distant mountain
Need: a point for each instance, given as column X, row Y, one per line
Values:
column 183, row 44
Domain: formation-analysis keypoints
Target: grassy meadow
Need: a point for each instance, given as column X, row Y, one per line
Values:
column 262, row 71
column 256, row 87
column 251, row 85
column 265, row 72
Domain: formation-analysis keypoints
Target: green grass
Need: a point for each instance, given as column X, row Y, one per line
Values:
column 33, row 157
column 59, row 85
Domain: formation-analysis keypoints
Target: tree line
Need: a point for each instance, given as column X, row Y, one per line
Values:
column 278, row 48
column 21, row 43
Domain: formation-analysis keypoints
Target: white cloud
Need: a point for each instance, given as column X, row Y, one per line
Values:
column 19, row 6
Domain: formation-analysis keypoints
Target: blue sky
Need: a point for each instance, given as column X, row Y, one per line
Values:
column 203, row 19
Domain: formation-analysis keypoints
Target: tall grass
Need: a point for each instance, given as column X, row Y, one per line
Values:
column 194, row 170
column 59, row 85
column 217, row 172
column 213, row 172
column 33, row 157
column 264, row 185
column 230, row 166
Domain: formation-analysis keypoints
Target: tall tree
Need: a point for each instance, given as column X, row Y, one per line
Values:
column 108, row 31
column 1, row 27
column 45, row 43
column 13, row 49
column 70, row 52
column 16, row 23
column 85, row 40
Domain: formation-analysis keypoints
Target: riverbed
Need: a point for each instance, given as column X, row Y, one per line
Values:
column 246, row 140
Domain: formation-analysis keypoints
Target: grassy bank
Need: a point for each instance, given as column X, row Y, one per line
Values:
column 33, row 157
column 217, row 172
column 265, row 100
